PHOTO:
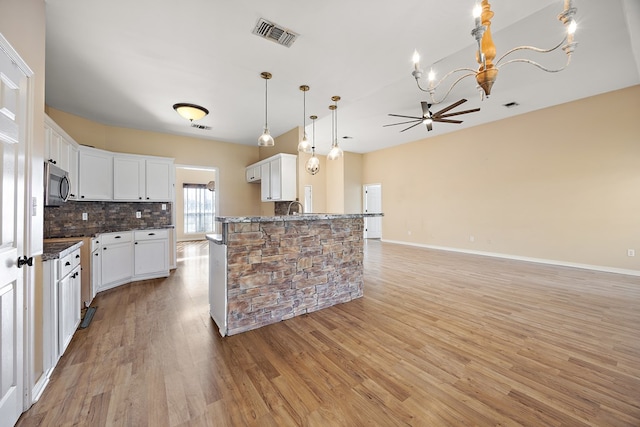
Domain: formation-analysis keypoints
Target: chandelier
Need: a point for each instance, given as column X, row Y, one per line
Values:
column 487, row 71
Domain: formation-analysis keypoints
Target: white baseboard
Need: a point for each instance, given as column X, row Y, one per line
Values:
column 522, row 258
column 39, row 387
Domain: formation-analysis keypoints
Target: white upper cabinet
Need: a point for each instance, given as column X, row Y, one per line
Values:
column 277, row 176
column 159, row 178
column 61, row 150
column 253, row 173
column 128, row 178
column 95, row 174
column 144, row 179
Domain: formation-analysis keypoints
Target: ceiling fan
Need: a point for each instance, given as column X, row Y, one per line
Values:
column 428, row 117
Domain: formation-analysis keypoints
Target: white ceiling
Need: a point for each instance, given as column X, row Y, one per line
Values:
column 125, row 63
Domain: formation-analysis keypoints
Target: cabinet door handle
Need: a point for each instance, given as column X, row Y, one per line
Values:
column 96, row 254
column 67, row 263
column 152, row 234
column 117, row 237
column 77, row 256
column 135, row 243
column 25, row 261
column 104, row 249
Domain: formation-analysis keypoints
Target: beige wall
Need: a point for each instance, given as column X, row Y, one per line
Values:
column 188, row 176
column 353, row 170
column 559, row 184
column 22, row 24
column 236, row 196
column 335, row 185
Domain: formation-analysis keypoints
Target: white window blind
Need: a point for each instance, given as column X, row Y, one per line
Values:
column 199, row 208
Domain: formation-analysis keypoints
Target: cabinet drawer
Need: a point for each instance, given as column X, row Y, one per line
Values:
column 68, row 263
column 151, row 234
column 112, row 238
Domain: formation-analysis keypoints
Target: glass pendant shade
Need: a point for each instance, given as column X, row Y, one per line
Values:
column 313, row 165
column 266, row 140
column 304, row 146
column 335, row 153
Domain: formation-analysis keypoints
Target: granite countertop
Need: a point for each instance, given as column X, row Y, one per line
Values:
column 94, row 231
column 55, row 250
column 296, row 217
column 215, row 238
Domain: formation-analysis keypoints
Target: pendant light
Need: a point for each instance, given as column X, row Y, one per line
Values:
column 265, row 140
column 304, row 146
column 313, row 164
column 335, row 152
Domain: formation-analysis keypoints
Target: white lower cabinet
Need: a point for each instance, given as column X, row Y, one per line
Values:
column 62, row 282
column 151, row 253
column 68, row 307
column 119, row 258
column 96, row 267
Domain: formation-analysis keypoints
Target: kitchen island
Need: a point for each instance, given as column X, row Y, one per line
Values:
column 266, row 269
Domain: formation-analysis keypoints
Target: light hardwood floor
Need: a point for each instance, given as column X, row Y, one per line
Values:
column 439, row 339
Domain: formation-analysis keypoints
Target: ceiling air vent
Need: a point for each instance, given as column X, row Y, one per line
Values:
column 197, row 126
column 274, row 32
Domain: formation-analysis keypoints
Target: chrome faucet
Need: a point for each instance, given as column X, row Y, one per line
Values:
column 290, row 204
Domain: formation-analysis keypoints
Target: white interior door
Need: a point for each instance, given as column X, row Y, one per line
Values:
column 11, row 242
column 373, row 204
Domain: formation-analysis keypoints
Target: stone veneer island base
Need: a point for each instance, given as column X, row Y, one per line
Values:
column 266, row 269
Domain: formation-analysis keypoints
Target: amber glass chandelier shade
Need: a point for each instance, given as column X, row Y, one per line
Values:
column 190, row 112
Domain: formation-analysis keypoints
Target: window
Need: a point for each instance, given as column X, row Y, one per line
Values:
column 199, row 208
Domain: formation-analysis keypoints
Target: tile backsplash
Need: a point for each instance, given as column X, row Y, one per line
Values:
column 66, row 220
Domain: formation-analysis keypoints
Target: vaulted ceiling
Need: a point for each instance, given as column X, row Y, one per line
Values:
column 125, row 63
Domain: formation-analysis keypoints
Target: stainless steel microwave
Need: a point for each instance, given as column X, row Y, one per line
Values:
column 56, row 185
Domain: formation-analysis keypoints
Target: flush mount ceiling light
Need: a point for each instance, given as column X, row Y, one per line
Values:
column 335, row 152
column 266, row 140
column 304, row 146
column 313, row 164
column 190, row 112
column 487, row 71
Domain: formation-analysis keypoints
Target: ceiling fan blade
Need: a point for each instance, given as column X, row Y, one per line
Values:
column 454, row 105
column 425, row 109
column 406, row 117
column 430, row 126
column 458, row 113
column 412, row 126
column 402, row 123
column 441, row 120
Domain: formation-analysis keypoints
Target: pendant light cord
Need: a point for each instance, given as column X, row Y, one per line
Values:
column 266, row 104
